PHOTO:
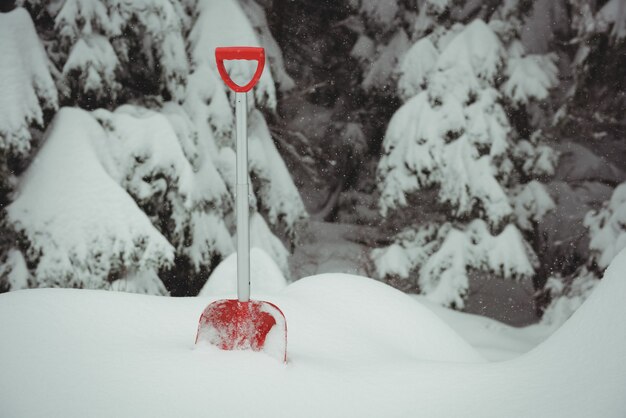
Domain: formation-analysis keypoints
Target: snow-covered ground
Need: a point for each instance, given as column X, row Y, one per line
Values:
column 357, row 348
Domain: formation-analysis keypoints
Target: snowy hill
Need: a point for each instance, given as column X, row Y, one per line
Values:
column 357, row 348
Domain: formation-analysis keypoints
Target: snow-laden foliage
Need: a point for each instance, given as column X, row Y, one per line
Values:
column 567, row 296
column 453, row 135
column 449, row 134
column 607, row 227
column 529, row 76
column 612, row 17
column 164, row 166
column 14, row 272
column 531, row 203
column 147, row 159
column 258, row 19
column 607, row 231
column 440, row 256
column 417, row 64
column 275, row 191
column 26, row 85
column 536, row 159
column 89, row 231
column 99, row 37
column 223, row 22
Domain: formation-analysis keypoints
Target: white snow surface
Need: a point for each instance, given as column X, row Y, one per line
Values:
column 265, row 276
column 356, row 348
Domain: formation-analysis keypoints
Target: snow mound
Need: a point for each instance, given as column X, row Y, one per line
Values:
column 265, row 276
column 356, row 348
column 366, row 321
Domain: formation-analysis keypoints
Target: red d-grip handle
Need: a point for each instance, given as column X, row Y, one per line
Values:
column 250, row 53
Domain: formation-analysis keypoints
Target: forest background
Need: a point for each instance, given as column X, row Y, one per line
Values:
column 470, row 151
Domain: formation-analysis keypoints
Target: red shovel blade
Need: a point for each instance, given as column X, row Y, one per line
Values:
column 233, row 325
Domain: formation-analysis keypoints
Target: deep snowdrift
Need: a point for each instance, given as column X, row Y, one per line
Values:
column 357, row 348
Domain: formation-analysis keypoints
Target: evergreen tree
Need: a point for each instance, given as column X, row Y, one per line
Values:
column 454, row 135
column 137, row 191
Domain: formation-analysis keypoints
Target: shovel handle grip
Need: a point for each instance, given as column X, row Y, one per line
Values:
column 249, row 53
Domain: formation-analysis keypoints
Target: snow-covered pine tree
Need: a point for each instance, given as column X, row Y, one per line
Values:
column 385, row 32
column 453, row 135
column 97, row 39
column 143, row 195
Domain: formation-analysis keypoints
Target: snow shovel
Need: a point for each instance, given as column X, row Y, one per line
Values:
column 243, row 324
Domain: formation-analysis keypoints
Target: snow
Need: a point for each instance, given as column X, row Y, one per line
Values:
column 566, row 299
column 356, row 348
column 494, row 340
column 379, row 73
column 531, row 203
column 223, row 22
column 95, row 60
column 262, row 237
column 26, row 84
column 15, row 271
column 258, row 19
column 531, row 76
column 89, row 227
column 149, row 159
column 383, row 12
column 444, row 276
column 88, row 29
column 146, row 282
column 607, row 228
column 411, row 249
column 613, row 14
column 392, row 261
column 265, row 276
column 454, row 136
column 441, row 257
column 76, row 17
column 415, row 67
column 364, row 48
column 276, row 191
column 478, row 46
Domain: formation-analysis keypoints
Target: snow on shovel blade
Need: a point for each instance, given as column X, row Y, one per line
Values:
column 254, row 325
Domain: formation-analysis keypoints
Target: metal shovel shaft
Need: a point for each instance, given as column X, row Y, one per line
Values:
column 241, row 197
